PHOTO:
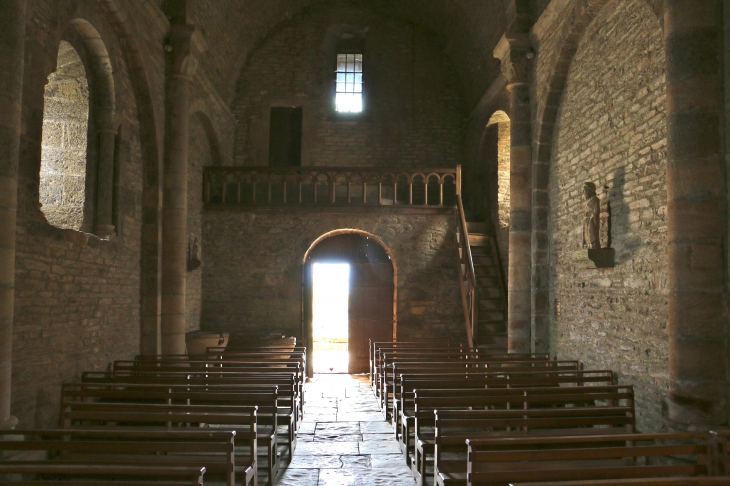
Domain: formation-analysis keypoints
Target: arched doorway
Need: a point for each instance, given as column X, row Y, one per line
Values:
column 371, row 295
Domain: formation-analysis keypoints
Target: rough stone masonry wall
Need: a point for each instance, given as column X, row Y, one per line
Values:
column 253, row 269
column 413, row 106
column 612, row 131
column 77, row 298
column 65, row 127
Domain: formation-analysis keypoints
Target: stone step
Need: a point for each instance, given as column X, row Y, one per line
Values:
column 483, row 260
column 478, row 240
column 491, row 315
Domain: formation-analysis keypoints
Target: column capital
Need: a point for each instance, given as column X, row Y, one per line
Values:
column 179, row 52
column 9, row 423
column 515, row 54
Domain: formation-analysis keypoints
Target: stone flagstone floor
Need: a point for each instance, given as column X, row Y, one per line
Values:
column 343, row 439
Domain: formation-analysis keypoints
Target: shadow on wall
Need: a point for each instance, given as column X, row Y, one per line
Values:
column 621, row 237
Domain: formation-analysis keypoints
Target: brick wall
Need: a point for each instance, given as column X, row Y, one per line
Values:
column 77, row 299
column 413, row 105
column 612, row 131
column 253, row 264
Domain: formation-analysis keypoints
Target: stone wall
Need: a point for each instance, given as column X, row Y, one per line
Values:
column 253, row 269
column 612, row 131
column 413, row 107
column 77, row 298
column 199, row 157
column 65, row 127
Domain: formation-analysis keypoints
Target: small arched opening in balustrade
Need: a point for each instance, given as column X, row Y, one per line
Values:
column 349, row 282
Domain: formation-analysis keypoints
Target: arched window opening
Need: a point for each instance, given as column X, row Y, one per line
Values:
column 64, row 142
column 502, row 121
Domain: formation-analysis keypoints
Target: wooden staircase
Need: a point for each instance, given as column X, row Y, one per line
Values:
column 491, row 329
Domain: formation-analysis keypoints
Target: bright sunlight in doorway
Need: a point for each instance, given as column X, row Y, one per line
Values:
column 331, row 290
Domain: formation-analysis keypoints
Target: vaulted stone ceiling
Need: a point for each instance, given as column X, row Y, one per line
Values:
column 468, row 29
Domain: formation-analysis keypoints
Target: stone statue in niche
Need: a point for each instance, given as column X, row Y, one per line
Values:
column 193, row 255
column 591, row 217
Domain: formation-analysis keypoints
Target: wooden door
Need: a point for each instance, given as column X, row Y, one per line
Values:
column 371, row 310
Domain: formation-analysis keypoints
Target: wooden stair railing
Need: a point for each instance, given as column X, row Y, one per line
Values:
column 467, row 276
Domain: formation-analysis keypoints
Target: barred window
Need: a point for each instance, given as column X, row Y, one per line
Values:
column 348, row 98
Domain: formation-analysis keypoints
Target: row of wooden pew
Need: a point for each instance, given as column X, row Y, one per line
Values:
column 468, row 417
column 229, row 415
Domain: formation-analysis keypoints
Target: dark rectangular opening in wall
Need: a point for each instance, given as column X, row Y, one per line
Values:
column 285, row 136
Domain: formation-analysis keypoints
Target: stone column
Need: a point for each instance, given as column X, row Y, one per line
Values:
column 12, row 44
column 696, row 215
column 103, row 226
column 514, row 56
column 180, row 68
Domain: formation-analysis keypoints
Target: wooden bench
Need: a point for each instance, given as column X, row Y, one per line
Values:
column 265, row 397
column 289, row 398
column 216, row 366
column 386, row 357
column 375, row 346
column 144, row 416
column 215, row 450
column 100, row 475
column 454, row 366
column 404, row 407
column 514, row 460
column 454, row 427
column 450, row 433
column 696, row 481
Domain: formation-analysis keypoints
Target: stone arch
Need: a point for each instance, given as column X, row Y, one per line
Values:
column 307, row 287
column 501, row 120
column 582, row 14
column 201, row 115
column 64, row 143
column 595, row 140
column 152, row 189
column 79, row 106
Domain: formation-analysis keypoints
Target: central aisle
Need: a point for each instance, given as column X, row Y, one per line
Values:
column 343, row 439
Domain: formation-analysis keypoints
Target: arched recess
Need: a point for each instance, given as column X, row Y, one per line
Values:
column 79, row 109
column 373, row 284
column 500, row 122
column 150, row 132
column 544, row 131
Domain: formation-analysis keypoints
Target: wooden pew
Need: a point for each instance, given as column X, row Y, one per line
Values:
column 377, row 350
column 289, row 398
column 386, row 357
column 230, row 367
column 375, row 347
column 111, row 416
column 265, row 397
column 454, row 427
column 498, row 364
column 502, row 461
column 696, row 481
column 404, row 407
column 450, row 432
column 100, row 475
column 215, row 450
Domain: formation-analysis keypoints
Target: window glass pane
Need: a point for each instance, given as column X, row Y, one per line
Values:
column 348, row 97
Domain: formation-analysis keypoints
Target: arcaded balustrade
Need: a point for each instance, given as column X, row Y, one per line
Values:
column 279, row 186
